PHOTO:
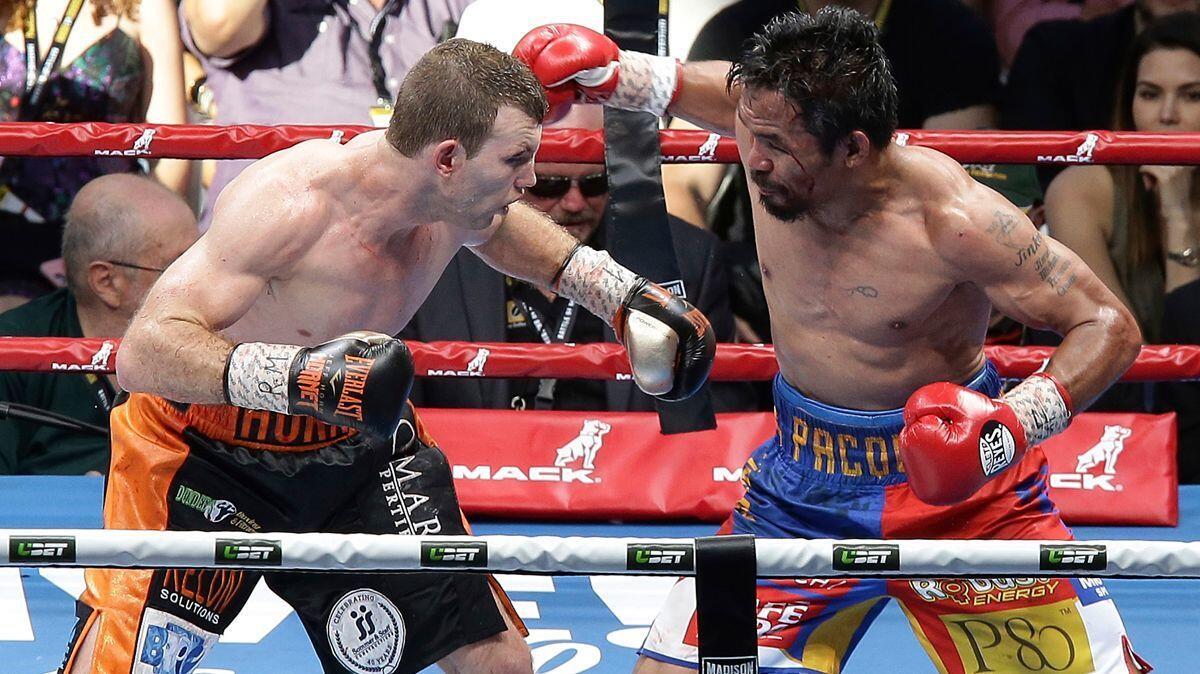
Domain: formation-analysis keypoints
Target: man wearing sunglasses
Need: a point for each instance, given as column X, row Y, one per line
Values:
column 122, row 230
column 496, row 308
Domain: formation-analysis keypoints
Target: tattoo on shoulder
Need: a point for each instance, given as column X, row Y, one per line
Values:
column 1003, row 228
column 865, row 291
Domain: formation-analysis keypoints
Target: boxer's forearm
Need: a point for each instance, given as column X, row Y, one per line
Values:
column 1095, row 354
column 702, row 98
column 175, row 358
column 527, row 245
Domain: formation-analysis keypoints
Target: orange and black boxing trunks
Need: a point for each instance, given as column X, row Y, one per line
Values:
column 221, row 468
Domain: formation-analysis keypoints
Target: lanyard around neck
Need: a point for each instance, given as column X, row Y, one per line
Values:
column 561, row 332
column 37, row 74
column 375, row 42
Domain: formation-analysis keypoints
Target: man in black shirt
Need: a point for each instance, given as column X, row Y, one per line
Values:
column 1065, row 73
column 476, row 303
column 120, row 232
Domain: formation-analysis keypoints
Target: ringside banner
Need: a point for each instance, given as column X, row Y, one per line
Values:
column 1105, row 469
column 1116, row 469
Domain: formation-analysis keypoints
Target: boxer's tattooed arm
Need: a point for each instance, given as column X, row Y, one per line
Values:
column 1055, row 271
column 1024, row 254
column 1002, row 228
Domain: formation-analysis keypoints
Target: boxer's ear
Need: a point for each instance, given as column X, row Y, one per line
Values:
column 857, row 147
column 448, row 157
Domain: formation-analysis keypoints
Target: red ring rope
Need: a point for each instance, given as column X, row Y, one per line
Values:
column 247, row 141
column 734, row 362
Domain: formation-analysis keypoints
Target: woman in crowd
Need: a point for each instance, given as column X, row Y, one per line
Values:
column 1138, row 227
column 120, row 62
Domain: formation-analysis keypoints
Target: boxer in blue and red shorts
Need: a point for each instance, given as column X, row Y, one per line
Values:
column 836, row 473
column 881, row 265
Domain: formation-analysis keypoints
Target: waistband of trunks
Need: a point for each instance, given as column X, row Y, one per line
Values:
column 844, row 445
column 257, row 429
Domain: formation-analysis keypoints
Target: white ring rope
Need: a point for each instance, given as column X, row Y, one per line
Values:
column 777, row 558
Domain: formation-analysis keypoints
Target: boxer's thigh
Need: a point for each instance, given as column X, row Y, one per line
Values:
column 1017, row 625
column 803, row 625
column 377, row 621
column 164, row 619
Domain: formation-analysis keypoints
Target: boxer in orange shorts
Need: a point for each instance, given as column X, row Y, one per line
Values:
column 235, row 426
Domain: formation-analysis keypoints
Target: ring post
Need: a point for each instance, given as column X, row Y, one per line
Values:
column 726, row 571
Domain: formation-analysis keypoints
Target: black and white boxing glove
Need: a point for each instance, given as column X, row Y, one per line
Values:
column 670, row 342
column 360, row 380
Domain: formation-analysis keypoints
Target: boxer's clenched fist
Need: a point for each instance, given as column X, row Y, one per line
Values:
column 578, row 65
column 956, row 439
column 360, row 380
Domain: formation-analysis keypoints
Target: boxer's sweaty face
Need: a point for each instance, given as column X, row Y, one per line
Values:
column 503, row 167
column 782, row 159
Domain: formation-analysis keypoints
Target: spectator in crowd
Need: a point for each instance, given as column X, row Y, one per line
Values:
column 942, row 54
column 947, row 72
column 474, row 302
column 121, row 231
column 1065, row 74
column 1011, row 19
column 120, row 62
column 1138, row 227
column 288, row 62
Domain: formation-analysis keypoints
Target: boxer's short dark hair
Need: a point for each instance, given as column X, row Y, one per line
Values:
column 830, row 67
column 455, row 90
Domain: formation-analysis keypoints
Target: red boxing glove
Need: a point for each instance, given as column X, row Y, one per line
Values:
column 956, row 439
column 578, row 65
column 573, row 63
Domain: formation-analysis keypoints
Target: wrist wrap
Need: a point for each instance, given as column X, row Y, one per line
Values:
column 646, row 83
column 1042, row 407
column 592, row 278
column 256, row 376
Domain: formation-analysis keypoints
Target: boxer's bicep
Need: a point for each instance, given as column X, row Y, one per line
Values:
column 173, row 346
column 252, row 240
column 206, row 287
column 1026, row 274
column 1040, row 282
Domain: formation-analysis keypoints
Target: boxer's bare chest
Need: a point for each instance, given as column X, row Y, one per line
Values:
column 345, row 284
column 871, row 285
column 859, row 316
